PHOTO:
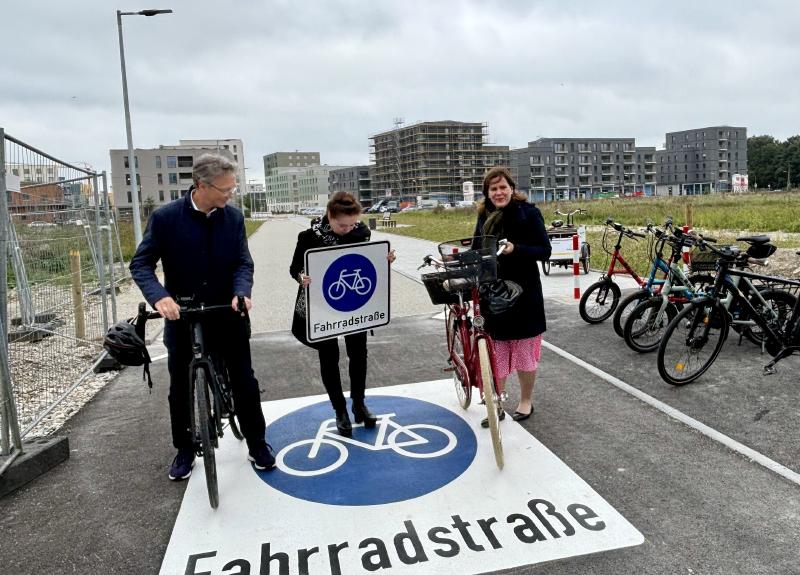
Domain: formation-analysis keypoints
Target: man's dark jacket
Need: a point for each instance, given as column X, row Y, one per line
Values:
column 205, row 257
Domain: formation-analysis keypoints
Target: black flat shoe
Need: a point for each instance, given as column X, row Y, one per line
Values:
column 362, row 414
column 343, row 423
column 518, row 416
column 501, row 415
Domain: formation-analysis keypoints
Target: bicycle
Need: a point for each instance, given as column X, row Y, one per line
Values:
column 462, row 269
column 212, row 397
column 646, row 322
column 693, row 340
column 360, row 285
column 399, row 440
column 601, row 298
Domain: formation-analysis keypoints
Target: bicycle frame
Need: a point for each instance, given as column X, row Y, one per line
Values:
column 469, row 332
column 616, row 257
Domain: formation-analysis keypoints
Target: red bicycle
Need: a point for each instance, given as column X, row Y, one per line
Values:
column 464, row 265
column 601, row 298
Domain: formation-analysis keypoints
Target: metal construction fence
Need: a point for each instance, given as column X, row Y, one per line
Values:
column 61, row 260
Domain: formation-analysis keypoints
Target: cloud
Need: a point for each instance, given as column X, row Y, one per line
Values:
column 326, row 75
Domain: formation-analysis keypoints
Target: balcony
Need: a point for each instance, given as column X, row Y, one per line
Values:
column 607, row 160
column 536, row 162
column 585, row 161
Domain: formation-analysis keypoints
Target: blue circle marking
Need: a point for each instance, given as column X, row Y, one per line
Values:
column 349, row 282
column 416, row 448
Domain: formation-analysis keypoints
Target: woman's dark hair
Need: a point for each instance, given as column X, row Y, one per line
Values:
column 343, row 204
column 491, row 175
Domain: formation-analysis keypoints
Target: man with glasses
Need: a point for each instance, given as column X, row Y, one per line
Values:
column 202, row 245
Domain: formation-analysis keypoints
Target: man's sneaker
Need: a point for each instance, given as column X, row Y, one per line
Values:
column 262, row 458
column 182, row 464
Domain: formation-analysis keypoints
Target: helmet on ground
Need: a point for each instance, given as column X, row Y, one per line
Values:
column 124, row 344
column 499, row 296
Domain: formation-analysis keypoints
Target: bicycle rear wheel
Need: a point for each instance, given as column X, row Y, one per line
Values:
column 202, row 430
column 455, row 344
column 776, row 312
column 599, row 301
column 692, row 342
column 646, row 324
column 492, row 401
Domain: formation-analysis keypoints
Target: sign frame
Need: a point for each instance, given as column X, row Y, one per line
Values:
column 354, row 248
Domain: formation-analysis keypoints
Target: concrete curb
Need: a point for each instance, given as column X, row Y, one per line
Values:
column 39, row 455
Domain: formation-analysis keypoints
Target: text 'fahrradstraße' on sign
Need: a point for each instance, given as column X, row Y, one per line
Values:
column 413, row 544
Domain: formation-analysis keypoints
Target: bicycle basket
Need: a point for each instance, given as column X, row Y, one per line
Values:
column 476, row 265
column 703, row 261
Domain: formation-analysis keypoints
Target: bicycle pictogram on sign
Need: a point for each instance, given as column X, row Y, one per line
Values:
column 349, row 282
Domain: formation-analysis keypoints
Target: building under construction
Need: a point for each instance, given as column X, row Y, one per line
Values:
column 432, row 160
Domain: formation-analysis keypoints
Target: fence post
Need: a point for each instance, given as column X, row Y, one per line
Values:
column 112, row 276
column 9, row 424
column 101, row 271
column 77, row 294
column 576, row 272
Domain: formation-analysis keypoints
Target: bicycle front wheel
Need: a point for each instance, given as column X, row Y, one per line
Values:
column 492, row 401
column 203, row 424
column 692, row 342
column 646, row 324
column 455, row 345
column 624, row 308
column 599, row 301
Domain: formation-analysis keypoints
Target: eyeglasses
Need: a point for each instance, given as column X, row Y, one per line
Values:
column 229, row 192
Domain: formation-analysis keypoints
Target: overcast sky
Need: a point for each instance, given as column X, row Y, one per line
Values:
column 324, row 76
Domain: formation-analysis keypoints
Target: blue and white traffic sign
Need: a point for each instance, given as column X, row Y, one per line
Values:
column 349, row 289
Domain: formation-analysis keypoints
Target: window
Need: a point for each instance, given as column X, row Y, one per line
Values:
column 173, row 194
column 185, row 176
column 158, row 162
column 173, row 178
column 160, row 195
column 128, row 179
column 130, row 198
column 160, row 178
column 184, row 162
column 125, row 161
column 172, row 161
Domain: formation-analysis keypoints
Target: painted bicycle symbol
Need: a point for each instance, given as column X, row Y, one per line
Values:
column 349, row 281
column 399, row 440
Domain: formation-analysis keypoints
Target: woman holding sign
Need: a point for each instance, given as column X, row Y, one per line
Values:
column 339, row 226
column 517, row 333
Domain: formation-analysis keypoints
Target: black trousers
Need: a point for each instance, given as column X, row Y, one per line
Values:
column 356, row 345
column 227, row 337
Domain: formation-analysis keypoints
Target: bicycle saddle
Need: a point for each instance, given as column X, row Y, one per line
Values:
column 557, row 223
column 760, row 239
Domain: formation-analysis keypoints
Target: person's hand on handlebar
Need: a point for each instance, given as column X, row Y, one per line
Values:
column 168, row 308
column 508, row 248
column 248, row 303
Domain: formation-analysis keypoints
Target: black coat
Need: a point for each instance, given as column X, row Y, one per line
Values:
column 523, row 226
column 205, row 257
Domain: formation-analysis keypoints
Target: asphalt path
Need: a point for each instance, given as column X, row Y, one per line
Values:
column 702, row 507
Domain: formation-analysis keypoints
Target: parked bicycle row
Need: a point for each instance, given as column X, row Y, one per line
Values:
column 686, row 315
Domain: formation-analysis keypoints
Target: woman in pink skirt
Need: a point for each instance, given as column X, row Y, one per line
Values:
column 517, row 333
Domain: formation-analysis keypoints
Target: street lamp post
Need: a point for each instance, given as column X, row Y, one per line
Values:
column 137, row 224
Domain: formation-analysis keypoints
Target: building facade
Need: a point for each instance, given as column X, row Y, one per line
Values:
column 701, row 160
column 289, row 189
column 431, row 160
column 164, row 174
column 355, row 179
column 294, row 159
column 584, row 168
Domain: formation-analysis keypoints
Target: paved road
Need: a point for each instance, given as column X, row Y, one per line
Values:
column 701, row 507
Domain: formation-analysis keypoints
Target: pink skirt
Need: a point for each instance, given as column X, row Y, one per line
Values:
column 516, row 355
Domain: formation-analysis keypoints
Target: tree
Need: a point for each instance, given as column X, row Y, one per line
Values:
column 764, row 158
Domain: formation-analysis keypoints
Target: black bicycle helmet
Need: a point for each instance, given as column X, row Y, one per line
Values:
column 499, row 296
column 124, row 344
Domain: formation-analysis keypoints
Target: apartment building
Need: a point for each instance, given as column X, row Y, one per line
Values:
column 354, row 179
column 294, row 159
column 701, row 160
column 164, row 174
column 431, row 159
column 289, row 189
column 583, row 168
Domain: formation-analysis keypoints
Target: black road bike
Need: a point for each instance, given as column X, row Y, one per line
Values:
column 693, row 340
column 211, row 396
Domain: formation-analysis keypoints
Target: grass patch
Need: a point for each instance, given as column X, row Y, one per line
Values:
column 723, row 215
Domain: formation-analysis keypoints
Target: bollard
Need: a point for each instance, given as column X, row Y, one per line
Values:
column 686, row 254
column 77, row 294
column 576, row 272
